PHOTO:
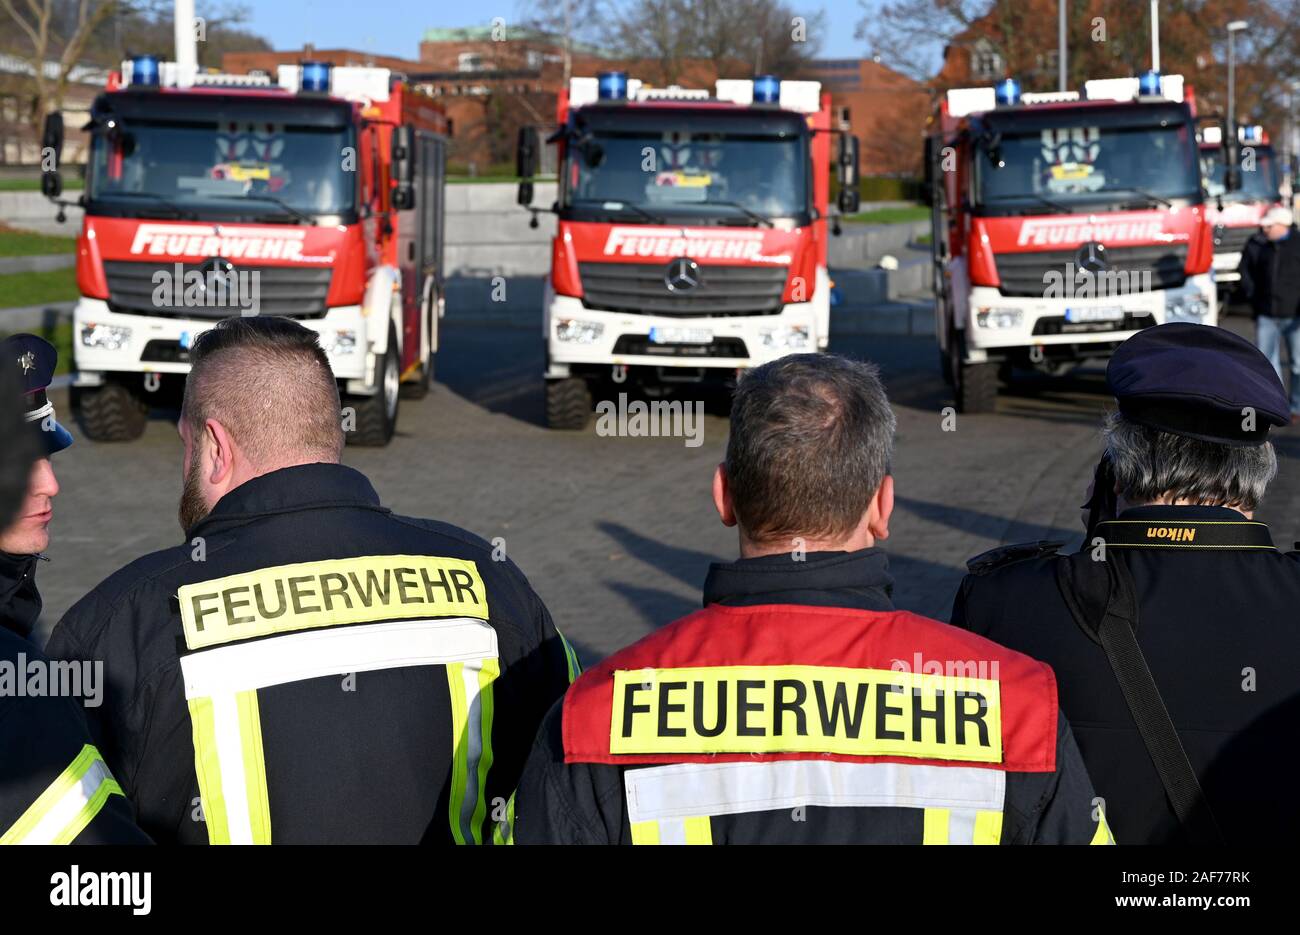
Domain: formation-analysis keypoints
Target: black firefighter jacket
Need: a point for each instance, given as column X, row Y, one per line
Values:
column 310, row 667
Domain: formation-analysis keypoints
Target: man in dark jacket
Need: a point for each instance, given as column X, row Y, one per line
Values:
column 800, row 705
column 54, row 785
column 1270, row 282
column 309, row 667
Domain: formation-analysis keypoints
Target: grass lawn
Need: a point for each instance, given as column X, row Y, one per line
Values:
column 19, row 289
column 60, row 336
column 25, row 243
column 33, row 184
column 890, row 215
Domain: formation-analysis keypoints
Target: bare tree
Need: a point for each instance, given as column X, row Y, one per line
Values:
column 47, row 44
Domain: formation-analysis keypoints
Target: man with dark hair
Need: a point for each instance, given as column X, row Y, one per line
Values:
column 1173, row 631
column 54, row 785
column 308, row 667
column 800, row 706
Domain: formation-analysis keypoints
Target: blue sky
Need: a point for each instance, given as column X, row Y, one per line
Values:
column 394, row 27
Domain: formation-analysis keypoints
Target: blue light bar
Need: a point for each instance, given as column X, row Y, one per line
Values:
column 316, row 77
column 1149, row 83
column 1007, row 92
column 767, row 89
column 1252, row 134
column 145, row 70
column 612, row 85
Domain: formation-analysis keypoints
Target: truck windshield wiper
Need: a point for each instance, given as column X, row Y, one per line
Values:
column 161, row 199
column 759, row 218
column 612, row 205
column 1149, row 196
column 1038, row 199
column 260, row 196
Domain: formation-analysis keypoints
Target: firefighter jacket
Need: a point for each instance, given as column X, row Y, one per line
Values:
column 310, row 667
column 799, row 706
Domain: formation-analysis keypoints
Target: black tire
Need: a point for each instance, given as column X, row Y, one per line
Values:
column 110, row 413
column 376, row 416
column 977, row 387
column 945, row 368
column 568, row 404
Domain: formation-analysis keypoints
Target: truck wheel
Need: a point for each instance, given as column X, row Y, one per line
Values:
column 568, row 403
column 377, row 414
column 110, row 413
column 976, row 386
column 420, row 387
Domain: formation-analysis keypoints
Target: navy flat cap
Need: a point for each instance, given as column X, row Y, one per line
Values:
column 1198, row 381
column 32, row 360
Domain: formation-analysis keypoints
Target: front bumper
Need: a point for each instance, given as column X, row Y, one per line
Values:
column 148, row 344
column 624, row 338
column 1225, row 267
column 1032, row 321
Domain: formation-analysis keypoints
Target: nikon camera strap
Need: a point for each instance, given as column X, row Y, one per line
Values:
column 1102, row 598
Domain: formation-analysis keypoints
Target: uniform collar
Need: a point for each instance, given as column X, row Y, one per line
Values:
column 20, row 601
column 1186, row 527
column 860, row 580
column 291, row 489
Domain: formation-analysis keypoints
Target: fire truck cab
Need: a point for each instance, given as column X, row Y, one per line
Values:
column 317, row 197
column 691, row 241
column 1235, row 214
column 1063, row 223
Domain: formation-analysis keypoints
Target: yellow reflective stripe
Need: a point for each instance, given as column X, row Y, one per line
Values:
column 207, row 765
column 570, row 658
column 460, row 747
column 936, row 826
column 988, row 827
column 645, row 832
column 503, row 832
column 1102, row 835
column 250, row 738
column 486, row 676
column 84, row 785
column 699, row 830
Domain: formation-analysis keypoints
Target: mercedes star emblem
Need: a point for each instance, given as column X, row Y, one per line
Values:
column 682, row 275
column 1092, row 258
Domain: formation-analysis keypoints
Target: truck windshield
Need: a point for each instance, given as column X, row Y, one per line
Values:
column 688, row 177
column 1259, row 181
column 1086, row 168
column 203, row 169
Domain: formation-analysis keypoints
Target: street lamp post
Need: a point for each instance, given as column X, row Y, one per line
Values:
column 1231, row 171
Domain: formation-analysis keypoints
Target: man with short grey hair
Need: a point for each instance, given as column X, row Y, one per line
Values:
column 1173, row 630
column 801, row 706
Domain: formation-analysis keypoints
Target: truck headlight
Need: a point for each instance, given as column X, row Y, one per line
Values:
column 1187, row 305
column 338, row 341
column 999, row 317
column 105, row 337
column 578, row 331
column 786, row 337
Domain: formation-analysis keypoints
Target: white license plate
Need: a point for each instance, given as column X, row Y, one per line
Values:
column 1094, row 314
column 681, row 336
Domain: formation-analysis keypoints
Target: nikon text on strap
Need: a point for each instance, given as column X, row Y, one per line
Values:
column 1102, row 598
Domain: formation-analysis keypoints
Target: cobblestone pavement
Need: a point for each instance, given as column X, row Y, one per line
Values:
column 616, row 534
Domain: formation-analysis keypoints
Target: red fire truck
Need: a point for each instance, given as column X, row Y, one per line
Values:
column 1062, row 224
column 1235, row 215
column 691, row 241
column 318, row 197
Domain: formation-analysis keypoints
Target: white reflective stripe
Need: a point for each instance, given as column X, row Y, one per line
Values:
column 230, row 758
column 63, row 812
column 672, row 831
column 961, row 824
column 357, row 648
column 683, row 790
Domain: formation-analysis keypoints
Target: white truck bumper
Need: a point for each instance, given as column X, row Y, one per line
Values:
column 1010, row 321
column 108, row 342
column 577, row 335
column 1225, row 267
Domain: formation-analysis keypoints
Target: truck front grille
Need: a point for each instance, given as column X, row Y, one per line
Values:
column 1129, row 270
column 641, row 288
column 291, row 291
column 1232, row 239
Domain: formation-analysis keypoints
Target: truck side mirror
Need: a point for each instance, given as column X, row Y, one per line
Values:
column 403, row 152
column 850, row 199
column 1231, row 161
column 526, row 152
column 51, row 153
